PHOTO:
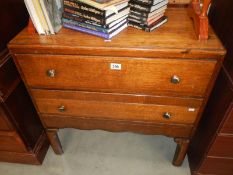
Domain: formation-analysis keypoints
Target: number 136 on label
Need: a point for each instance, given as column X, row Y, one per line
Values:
column 115, row 66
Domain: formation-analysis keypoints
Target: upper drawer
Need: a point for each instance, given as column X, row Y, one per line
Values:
column 114, row 74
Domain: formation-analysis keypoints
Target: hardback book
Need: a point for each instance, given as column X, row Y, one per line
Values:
column 34, row 17
column 96, row 33
column 96, row 18
column 146, row 14
column 52, row 10
column 41, row 16
column 144, row 19
column 101, row 1
column 88, row 8
column 147, row 2
column 108, row 5
column 145, row 8
column 151, row 27
column 148, row 21
column 83, row 20
column 154, row 18
column 94, row 27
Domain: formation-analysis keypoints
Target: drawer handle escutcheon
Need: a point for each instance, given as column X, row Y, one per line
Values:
column 51, row 73
column 167, row 115
column 175, row 79
column 61, row 108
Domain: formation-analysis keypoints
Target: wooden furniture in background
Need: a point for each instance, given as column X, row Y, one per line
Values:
column 151, row 83
column 211, row 150
column 198, row 13
column 22, row 137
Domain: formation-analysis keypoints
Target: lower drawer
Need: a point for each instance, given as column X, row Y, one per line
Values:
column 117, row 106
column 216, row 166
column 222, row 147
column 10, row 141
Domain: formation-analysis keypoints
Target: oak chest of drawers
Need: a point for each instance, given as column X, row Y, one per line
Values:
column 152, row 83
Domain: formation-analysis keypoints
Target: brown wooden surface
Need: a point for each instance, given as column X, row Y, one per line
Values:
column 54, row 140
column 9, row 76
column 23, row 115
column 10, row 141
column 116, row 97
column 213, row 115
column 222, row 147
column 211, row 149
column 113, row 109
column 172, row 130
column 217, row 166
column 139, row 75
column 176, row 37
column 181, row 149
column 121, row 100
column 200, row 20
column 36, row 156
column 21, row 132
column 223, row 10
column 4, row 123
column 227, row 127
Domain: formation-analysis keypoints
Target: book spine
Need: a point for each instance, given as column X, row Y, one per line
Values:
column 143, row 2
column 137, row 17
column 135, row 25
column 140, row 7
column 159, row 23
column 81, row 19
column 84, row 7
column 84, row 30
column 135, row 20
column 138, row 13
column 47, row 16
column 85, row 15
column 85, row 25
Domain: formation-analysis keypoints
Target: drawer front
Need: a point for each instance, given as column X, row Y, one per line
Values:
column 121, row 75
column 10, row 141
column 216, row 166
column 117, row 107
column 228, row 123
column 222, row 147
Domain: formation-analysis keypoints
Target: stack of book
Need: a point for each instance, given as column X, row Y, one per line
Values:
column 45, row 15
column 147, row 14
column 103, row 18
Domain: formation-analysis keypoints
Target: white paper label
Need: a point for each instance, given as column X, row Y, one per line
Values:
column 115, row 66
column 191, row 109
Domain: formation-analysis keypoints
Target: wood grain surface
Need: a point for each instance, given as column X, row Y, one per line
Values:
column 176, row 37
column 137, row 75
column 72, row 84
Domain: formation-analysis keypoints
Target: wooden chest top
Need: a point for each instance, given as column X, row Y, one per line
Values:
column 174, row 39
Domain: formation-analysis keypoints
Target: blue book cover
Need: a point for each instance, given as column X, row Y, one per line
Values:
column 85, row 30
column 96, row 33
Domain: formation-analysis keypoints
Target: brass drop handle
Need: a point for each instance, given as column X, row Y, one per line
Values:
column 51, row 73
column 167, row 115
column 61, row 108
column 175, row 79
